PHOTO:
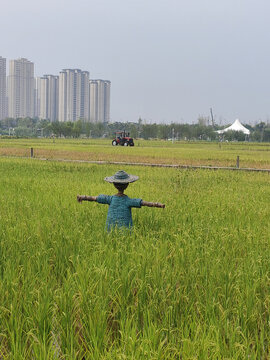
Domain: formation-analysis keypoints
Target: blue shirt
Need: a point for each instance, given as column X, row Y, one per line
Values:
column 119, row 213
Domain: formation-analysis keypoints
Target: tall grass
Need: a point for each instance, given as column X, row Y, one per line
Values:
column 190, row 281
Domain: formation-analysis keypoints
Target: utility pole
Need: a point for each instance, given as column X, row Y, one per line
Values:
column 212, row 117
column 262, row 125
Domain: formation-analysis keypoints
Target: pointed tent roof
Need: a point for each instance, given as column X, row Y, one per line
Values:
column 236, row 126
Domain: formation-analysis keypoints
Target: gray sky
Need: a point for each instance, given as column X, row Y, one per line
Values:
column 168, row 60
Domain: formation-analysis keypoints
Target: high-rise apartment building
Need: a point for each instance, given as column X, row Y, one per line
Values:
column 21, row 88
column 107, row 102
column 74, row 97
column 3, row 99
column 100, row 100
column 93, row 101
column 40, row 96
column 53, row 96
column 47, row 94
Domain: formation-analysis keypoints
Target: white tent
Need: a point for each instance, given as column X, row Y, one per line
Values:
column 236, row 126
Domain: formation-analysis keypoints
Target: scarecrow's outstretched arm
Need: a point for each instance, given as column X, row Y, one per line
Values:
column 81, row 198
column 151, row 204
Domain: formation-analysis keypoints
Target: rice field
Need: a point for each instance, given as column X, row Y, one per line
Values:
column 252, row 155
column 191, row 281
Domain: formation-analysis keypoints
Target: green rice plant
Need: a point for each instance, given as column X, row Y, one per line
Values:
column 189, row 282
column 256, row 155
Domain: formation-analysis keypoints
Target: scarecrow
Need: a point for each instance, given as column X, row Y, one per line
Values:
column 119, row 213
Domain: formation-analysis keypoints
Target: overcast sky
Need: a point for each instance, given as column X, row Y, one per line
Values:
column 167, row 60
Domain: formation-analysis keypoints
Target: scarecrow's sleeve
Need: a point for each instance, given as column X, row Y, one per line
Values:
column 135, row 203
column 104, row 199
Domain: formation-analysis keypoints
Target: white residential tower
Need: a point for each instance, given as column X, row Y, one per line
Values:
column 21, row 88
column 74, row 97
column 100, row 100
column 47, row 94
column 3, row 99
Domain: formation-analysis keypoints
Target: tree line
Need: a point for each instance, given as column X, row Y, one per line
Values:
column 29, row 127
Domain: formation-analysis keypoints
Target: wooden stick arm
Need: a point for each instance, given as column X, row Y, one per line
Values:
column 151, row 204
column 81, row 198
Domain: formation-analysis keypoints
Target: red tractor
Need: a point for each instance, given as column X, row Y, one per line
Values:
column 122, row 138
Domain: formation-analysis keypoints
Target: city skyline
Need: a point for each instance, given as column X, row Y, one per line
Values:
column 168, row 61
column 64, row 97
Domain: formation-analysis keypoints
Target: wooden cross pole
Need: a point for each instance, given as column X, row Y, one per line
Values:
column 81, row 198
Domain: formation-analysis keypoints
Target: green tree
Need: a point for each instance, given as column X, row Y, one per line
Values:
column 234, row 136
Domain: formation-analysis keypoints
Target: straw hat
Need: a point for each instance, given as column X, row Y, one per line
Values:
column 121, row 177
